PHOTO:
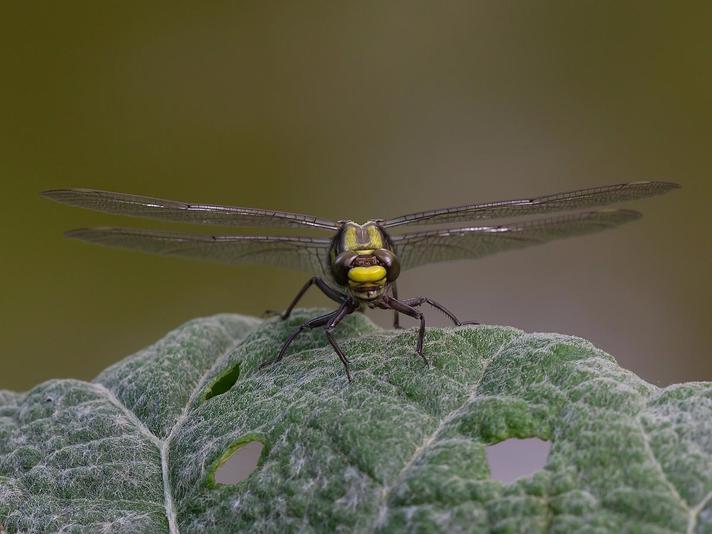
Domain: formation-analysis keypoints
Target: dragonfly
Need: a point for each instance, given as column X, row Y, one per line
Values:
column 358, row 265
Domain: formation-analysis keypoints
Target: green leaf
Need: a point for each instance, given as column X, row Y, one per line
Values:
column 401, row 449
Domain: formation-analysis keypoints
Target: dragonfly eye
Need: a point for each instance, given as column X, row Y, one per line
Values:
column 341, row 266
column 389, row 261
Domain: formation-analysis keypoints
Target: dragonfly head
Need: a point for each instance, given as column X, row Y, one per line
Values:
column 367, row 273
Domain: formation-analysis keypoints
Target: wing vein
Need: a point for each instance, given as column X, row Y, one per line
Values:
column 571, row 200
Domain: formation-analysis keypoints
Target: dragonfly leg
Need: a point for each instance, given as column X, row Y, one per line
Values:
column 312, row 323
column 406, row 309
column 417, row 301
column 329, row 291
column 396, row 315
column 345, row 309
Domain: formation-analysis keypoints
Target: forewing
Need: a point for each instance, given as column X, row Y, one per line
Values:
column 156, row 208
column 475, row 242
column 572, row 200
column 300, row 253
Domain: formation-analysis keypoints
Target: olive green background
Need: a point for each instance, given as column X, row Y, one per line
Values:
column 355, row 110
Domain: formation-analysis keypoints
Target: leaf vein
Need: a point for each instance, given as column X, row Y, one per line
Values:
column 432, row 437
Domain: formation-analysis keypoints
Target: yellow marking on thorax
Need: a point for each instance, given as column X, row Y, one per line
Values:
column 350, row 241
column 354, row 237
column 375, row 237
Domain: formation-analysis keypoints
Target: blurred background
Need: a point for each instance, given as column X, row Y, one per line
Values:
column 355, row 110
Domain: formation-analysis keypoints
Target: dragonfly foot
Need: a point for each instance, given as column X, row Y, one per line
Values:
column 268, row 314
column 268, row 363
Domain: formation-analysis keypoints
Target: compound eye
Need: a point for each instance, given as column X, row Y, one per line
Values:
column 342, row 264
column 389, row 261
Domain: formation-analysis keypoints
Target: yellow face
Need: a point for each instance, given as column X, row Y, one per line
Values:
column 367, row 283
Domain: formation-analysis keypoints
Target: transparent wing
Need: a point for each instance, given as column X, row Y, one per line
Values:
column 583, row 198
column 156, row 208
column 299, row 253
column 468, row 243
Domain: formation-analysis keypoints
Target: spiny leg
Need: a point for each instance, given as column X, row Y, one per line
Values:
column 345, row 309
column 396, row 315
column 401, row 307
column 312, row 323
column 417, row 301
column 329, row 291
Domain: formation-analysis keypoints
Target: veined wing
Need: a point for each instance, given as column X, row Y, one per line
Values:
column 156, row 208
column 474, row 242
column 299, row 253
column 583, row 198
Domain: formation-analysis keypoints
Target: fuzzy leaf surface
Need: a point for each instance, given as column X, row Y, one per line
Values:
column 401, row 449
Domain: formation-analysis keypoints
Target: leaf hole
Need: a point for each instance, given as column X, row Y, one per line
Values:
column 238, row 462
column 515, row 458
column 224, row 382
